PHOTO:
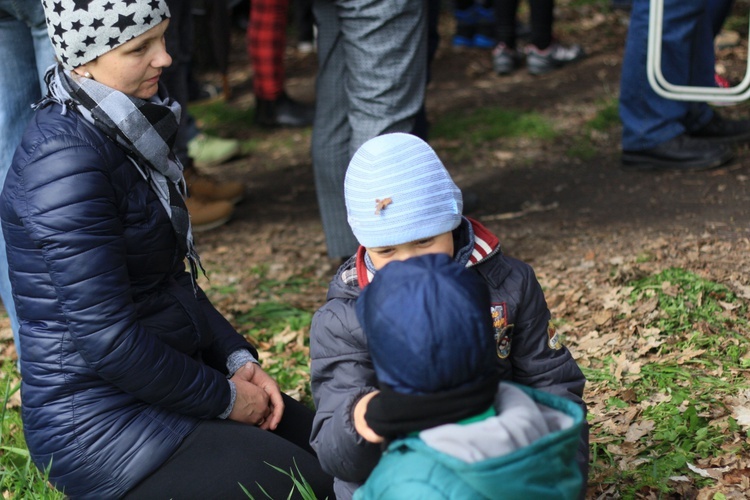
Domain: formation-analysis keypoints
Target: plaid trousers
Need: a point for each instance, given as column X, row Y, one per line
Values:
column 266, row 44
column 372, row 73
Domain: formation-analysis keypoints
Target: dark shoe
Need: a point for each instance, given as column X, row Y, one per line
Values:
column 553, row 57
column 504, row 59
column 283, row 112
column 681, row 153
column 721, row 130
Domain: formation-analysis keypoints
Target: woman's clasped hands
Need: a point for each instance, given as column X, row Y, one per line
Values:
column 258, row 400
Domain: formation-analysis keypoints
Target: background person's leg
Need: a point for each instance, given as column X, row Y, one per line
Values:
column 331, row 133
column 649, row 119
column 386, row 53
column 26, row 53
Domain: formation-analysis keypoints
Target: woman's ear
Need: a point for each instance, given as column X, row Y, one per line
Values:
column 82, row 71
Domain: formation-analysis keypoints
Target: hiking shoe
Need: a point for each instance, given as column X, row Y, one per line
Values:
column 207, row 151
column 205, row 215
column 682, row 153
column 723, row 131
column 208, row 189
column 553, row 57
column 504, row 59
column 283, row 112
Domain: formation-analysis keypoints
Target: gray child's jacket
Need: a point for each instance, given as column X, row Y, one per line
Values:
column 529, row 353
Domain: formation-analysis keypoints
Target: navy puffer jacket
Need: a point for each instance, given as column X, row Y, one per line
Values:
column 120, row 356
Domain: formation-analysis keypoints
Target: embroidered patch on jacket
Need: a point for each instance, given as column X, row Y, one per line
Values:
column 555, row 339
column 503, row 330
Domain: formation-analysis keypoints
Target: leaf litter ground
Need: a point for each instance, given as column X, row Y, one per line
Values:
column 589, row 229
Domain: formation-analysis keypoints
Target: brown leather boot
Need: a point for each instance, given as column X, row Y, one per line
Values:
column 208, row 189
column 205, row 215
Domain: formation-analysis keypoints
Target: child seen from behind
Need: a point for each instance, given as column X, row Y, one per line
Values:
column 453, row 430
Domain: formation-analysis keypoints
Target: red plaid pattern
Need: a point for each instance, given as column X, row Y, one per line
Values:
column 266, row 44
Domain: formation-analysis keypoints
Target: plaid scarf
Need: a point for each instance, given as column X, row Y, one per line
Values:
column 145, row 130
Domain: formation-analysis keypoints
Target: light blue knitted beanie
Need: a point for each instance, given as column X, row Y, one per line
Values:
column 397, row 190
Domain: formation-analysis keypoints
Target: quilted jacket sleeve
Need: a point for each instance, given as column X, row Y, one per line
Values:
column 66, row 202
column 226, row 340
column 341, row 373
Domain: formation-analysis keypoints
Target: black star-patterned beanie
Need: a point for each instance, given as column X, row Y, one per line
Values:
column 82, row 30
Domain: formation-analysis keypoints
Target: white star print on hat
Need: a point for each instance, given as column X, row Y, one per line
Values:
column 82, row 30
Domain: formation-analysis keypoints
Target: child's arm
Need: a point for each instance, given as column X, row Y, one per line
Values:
column 341, row 374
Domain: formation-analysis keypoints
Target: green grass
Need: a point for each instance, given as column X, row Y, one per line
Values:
column 488, row 124
column 607, row 116
column 581, row 149
column 217, row 116
column 19, row 478
column 484, row 125
column 738, row 20
column 221, row 119
column 278, row 328
column 281, row 333
column 298, row 482
column 681, row 387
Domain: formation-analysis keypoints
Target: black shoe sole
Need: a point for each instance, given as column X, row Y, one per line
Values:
column 727, row 139
column 636, row 162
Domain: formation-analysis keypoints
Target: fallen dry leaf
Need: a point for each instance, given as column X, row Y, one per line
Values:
column 638, row 430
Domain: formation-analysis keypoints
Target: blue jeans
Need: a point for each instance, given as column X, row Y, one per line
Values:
column 26, row 53
column 687, row 59
column 718, row 11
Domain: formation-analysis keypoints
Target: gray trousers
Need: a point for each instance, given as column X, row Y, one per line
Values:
column 371, row 80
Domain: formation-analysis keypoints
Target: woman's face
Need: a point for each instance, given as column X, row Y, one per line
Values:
column 134, row 67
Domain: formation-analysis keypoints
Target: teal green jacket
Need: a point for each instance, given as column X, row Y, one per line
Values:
column 532, row 463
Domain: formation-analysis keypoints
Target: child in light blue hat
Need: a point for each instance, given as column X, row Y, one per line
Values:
column 402, row 203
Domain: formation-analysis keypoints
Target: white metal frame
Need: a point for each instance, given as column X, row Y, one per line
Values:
column 668, row 90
